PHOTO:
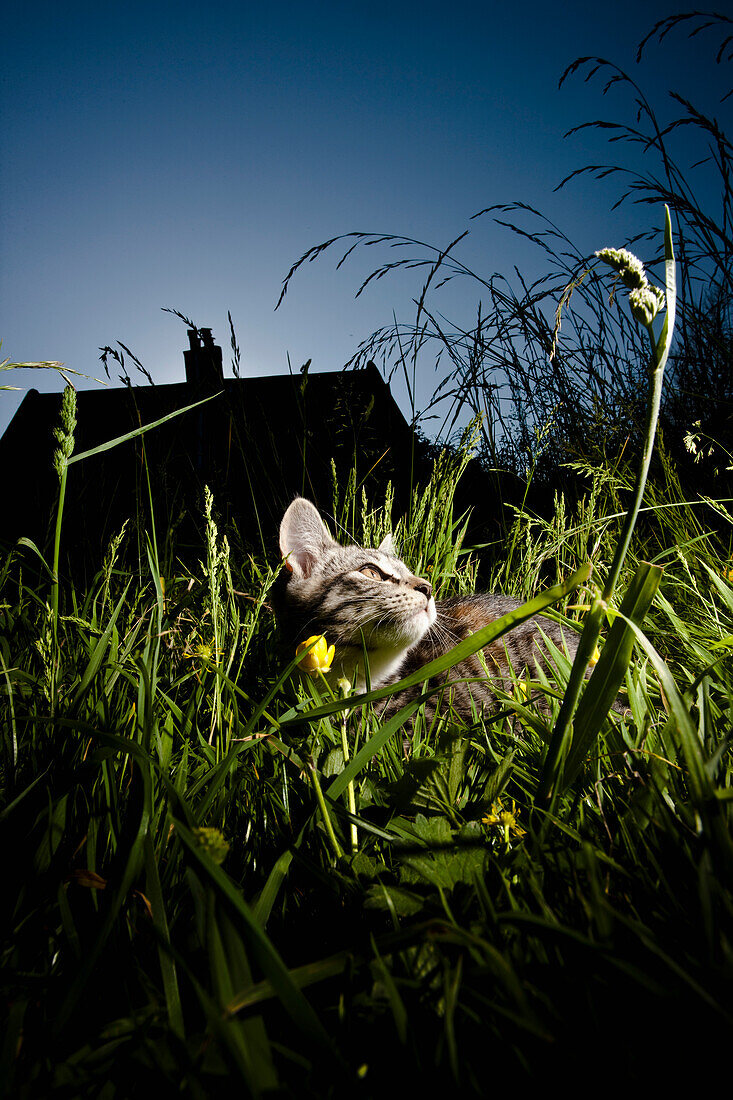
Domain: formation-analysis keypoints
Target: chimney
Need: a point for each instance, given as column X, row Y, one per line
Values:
column 203, row 360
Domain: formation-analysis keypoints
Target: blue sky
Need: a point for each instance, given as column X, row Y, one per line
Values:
column 185, row 155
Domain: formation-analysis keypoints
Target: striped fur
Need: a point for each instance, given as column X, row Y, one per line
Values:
column 368, row 598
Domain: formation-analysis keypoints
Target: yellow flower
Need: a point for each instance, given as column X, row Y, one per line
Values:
column 205, row 651
column 319, row 658
column 202, row 654
column 594, row 657
column 506, row 820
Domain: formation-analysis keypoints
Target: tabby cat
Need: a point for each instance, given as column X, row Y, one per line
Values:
column 368, row 598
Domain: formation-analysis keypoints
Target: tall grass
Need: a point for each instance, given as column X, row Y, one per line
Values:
column 550, row 367
column 219, row 877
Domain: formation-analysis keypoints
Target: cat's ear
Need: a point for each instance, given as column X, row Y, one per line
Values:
column 303, row 537
column 387, row 547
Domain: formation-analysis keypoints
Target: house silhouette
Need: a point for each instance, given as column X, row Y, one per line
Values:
column 256, row 442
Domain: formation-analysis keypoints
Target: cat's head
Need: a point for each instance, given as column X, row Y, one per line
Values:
column 347, row 592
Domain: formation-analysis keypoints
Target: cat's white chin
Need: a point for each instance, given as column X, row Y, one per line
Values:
column 424, row 617
column 388, row 647
column 384, row 665
column 409, row 631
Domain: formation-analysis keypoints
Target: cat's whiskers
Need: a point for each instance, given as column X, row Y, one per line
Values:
column 442, row 638
column 367, row 599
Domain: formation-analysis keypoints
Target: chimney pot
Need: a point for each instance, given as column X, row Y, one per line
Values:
column 204, row 367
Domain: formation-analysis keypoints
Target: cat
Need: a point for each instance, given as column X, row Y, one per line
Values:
column 367, row 598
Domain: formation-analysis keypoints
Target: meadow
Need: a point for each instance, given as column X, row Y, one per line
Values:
column 219, row 876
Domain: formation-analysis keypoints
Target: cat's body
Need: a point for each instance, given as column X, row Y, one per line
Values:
column 368, row 598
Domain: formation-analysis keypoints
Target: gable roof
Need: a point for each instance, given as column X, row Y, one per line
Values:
column 257, row 443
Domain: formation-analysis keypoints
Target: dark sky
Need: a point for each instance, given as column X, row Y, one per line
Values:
column 184, row 155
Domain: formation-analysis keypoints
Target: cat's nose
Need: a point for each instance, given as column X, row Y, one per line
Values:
column 421, row 585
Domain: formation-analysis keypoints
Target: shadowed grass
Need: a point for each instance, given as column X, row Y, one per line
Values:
column 216, row 877
column 175, row 907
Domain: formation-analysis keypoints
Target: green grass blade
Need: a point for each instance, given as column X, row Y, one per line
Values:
column 138, row 431
column 263, row 906
column 160, row 920
column 268, row 958
column 724, row 590
column 100, row 648
column 129, row 864
column 32, row 546
column 701, row 787
column 376, row 742
column 302, row 976
column 609, row 673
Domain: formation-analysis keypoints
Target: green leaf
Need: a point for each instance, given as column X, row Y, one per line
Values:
column 138, row 431
column 262, row 947
column 129, row 863
column 160, row 920
column 701, row 787
column 399, row 1012
column 609, row 673
column 449, row 857
column 54, row 831
column 376, row 742
column 724, row 590
column 394, row 899
column 99, row 650
column 263, row 906
column 302, row 976
column 32, row 546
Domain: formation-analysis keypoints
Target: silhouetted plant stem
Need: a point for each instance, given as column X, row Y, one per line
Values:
column 64, row 435
column 56, row 554
column 562, row 733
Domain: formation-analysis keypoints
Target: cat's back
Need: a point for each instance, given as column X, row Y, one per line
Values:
column 472, row 612
column 461, row 616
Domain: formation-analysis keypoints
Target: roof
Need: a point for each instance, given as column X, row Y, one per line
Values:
column 257, row 443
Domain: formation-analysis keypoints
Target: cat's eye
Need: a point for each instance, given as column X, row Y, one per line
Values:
column 372, row 572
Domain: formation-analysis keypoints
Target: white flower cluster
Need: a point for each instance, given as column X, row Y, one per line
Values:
column 645, row 300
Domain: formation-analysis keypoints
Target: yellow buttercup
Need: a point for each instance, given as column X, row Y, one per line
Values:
column 319, row 658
